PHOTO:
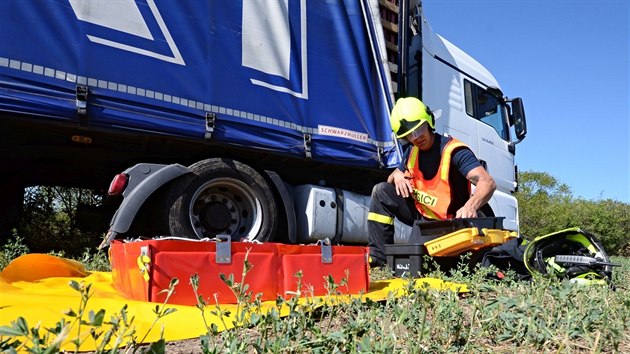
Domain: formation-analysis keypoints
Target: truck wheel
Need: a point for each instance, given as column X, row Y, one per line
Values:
column 222, row 197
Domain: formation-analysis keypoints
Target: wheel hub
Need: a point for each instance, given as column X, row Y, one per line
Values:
column 225, row 206
column 215, row 217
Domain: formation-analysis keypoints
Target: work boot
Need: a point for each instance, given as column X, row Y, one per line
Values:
column 376, row 262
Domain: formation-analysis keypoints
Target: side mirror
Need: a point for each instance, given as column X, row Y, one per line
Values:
column 517, row 118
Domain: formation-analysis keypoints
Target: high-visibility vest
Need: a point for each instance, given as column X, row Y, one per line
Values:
column 433, row 197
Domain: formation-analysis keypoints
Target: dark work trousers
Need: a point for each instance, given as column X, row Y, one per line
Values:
column 384, row 207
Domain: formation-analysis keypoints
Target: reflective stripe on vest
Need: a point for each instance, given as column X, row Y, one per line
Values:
column 433, row 197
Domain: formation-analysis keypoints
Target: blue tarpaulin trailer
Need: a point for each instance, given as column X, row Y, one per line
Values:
column 266, row 75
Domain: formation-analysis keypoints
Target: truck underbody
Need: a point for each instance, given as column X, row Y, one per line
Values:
column 69, row 155
column 39, row 153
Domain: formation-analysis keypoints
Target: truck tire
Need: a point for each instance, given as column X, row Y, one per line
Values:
column 222, row 197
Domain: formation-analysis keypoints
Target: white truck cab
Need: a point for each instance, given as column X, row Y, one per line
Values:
column 469, row 105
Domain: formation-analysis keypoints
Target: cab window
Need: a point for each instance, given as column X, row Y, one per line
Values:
column 485, row 107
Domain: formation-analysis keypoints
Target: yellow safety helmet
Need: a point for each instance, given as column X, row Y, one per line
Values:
column 408, row 114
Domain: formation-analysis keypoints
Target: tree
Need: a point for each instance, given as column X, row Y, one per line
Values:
column 49, row 219
column 547, row 205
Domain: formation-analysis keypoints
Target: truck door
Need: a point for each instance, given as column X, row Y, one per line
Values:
column 493, row 134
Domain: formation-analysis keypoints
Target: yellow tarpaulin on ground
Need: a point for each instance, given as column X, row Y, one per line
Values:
column 36, row 287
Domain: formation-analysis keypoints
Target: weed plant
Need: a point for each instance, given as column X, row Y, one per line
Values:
column 14, row 248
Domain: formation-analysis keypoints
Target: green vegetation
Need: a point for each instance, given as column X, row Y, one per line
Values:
column 547, row 205
column 49, row 220
column 510, row 316
column 92, row 260
column 11, row 250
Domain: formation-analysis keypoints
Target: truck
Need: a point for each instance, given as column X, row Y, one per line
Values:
column 259, row 120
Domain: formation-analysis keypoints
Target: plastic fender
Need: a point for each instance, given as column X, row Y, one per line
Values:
column 287, row 203
column 144, row 180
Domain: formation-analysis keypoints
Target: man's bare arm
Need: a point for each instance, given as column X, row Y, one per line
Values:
column 485, row 187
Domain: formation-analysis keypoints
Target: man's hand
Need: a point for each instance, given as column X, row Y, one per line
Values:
column 467, row 211
column 402, row 182
column 485, row 187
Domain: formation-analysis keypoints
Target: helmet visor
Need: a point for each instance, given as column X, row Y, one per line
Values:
column 416, row 133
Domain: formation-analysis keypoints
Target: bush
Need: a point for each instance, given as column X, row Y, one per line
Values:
column 546, row 205
column 49, row 220
column 12, row 249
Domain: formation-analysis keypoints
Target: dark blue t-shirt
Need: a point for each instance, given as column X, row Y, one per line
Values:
column 463, row 161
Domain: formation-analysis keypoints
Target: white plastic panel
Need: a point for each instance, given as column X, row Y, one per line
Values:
column 316, row 213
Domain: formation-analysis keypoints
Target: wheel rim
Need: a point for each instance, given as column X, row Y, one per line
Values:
column 225, row 206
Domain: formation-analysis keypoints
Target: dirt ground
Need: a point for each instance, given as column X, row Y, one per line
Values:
column 189, row 346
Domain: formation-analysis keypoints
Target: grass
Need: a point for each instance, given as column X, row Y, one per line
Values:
column 510, row 316
column 546, row 315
